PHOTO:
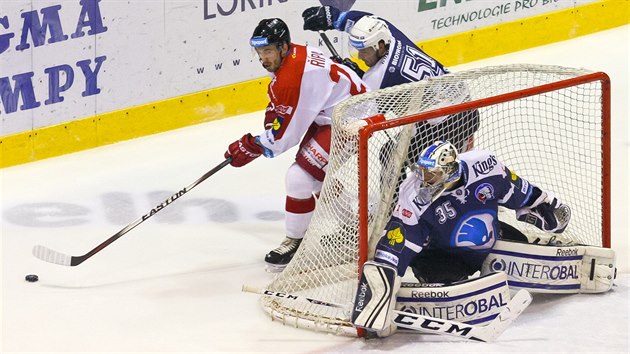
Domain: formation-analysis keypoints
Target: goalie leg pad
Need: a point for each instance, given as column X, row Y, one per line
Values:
column 598, row 270
column 475, row 301
column 375, row 296
column 552, row 269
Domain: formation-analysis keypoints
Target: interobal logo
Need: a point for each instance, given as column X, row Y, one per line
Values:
column 523, row 270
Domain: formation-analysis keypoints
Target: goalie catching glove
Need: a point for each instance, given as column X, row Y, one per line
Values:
column 243, row 151
column 547, row 213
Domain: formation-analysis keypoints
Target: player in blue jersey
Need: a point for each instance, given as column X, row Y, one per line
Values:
column 394, row 59
column 446, row 223
column 376, row 40
column 447, row 213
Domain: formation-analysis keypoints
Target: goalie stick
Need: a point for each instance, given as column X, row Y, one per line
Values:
column 52, row 256
column 428, row 324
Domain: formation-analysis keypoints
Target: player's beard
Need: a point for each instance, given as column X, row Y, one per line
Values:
column 371, row 61
column 272, row 65
column 370, row 58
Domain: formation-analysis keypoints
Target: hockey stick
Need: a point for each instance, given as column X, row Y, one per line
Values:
column 428, row 324
column 254, row 290
column 335, row 56
column 51, row 256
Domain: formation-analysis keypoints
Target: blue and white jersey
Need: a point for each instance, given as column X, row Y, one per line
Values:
column 463, row 221
column 404, row 62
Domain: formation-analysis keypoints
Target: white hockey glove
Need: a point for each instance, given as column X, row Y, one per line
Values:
column 547, row 213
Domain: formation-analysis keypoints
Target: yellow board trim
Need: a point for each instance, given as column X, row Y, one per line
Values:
column 527, row 33
column 151, row 118
column 250, row 96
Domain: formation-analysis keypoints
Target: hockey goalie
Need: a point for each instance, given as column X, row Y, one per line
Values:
column 445, row 227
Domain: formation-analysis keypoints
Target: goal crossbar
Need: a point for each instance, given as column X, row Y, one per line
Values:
column 378, row 122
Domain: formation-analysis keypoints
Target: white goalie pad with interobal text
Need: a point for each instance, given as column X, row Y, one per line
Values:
column 474, row 301
column 375, row 296
column 553, row 269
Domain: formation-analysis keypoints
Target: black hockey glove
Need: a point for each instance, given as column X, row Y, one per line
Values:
column 354, row 66
column 320, row 18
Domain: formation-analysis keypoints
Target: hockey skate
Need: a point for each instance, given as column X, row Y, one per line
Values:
column 278, row 258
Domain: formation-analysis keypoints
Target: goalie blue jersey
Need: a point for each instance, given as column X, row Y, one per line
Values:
column 404, row 62
column 462, row 222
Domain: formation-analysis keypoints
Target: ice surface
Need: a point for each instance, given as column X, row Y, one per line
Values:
column 173, row 284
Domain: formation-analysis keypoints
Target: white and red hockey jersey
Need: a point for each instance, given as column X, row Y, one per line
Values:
column 303, row 91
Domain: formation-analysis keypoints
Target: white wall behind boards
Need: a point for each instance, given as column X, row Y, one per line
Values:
column 65, row 60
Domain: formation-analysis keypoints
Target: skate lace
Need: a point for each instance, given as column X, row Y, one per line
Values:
column 288, row 245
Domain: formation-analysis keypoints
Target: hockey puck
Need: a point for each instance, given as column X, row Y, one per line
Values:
column 31, row 278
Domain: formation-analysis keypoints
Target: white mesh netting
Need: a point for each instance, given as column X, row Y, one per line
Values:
column 554, row 139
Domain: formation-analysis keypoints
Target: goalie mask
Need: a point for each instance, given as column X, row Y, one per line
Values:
column 438, row 168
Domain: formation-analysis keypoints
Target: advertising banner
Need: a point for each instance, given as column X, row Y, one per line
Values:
column 65, row 60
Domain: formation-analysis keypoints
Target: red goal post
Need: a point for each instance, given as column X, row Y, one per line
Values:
column 379, row 123
column 549, row 124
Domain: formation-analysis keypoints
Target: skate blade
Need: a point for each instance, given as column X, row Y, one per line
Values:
column 274, row 268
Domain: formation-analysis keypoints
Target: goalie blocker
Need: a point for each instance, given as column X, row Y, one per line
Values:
column 553, row 269
column 375, row 298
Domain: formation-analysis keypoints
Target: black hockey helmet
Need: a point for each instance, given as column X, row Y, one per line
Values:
column 270, row 31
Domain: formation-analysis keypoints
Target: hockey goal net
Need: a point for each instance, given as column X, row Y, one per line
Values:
column 549, row 124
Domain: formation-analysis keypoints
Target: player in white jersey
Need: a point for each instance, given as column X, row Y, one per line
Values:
column 305, row 88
